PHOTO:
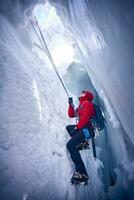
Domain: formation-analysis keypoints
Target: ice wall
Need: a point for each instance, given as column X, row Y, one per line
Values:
column 103, row 31
column 34, row 163
column 32, row 137
column 30, row 158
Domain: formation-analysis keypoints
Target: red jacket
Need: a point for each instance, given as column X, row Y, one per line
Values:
column 85, row 110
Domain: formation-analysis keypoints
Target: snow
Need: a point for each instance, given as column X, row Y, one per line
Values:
column 35, row 163
column 34, row 160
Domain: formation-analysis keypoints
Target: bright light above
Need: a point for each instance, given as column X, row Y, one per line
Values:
column 56, row 35
column 62, row 54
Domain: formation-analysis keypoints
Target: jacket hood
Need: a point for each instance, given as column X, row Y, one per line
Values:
column 86, row 95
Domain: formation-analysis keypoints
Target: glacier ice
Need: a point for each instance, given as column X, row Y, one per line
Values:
column 34, row 162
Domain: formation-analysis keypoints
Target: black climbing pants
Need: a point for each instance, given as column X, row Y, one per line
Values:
column 77, row 136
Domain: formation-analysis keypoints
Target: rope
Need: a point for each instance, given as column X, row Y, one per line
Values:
column 37, row 45
column 38, row 35
column 46, row 49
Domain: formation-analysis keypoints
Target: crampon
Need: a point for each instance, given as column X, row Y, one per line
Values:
column 79, row 179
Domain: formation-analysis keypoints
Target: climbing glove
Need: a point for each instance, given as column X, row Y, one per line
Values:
column 70, row 100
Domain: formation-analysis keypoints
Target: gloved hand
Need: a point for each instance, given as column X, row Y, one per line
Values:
column 70, row 100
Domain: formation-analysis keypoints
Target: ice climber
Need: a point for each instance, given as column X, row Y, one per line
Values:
column 80, row 132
